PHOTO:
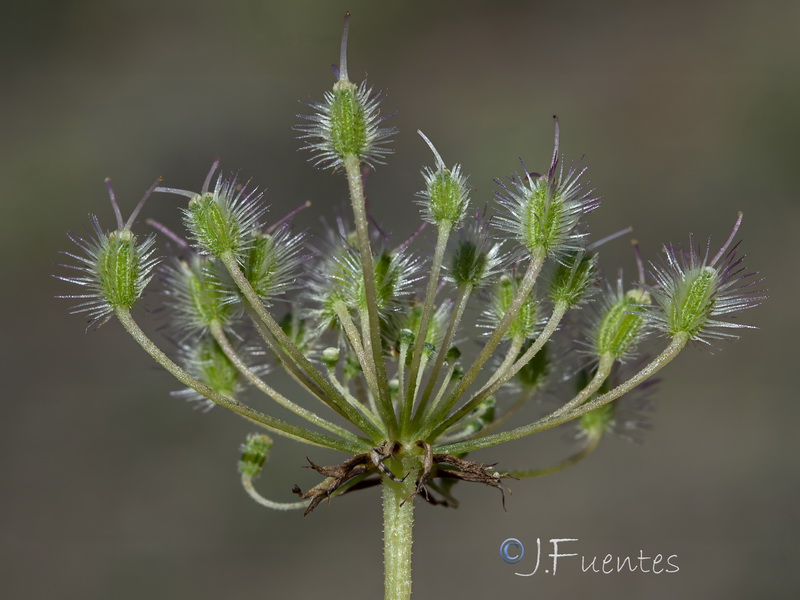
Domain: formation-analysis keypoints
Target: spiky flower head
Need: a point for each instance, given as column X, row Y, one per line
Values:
column 347, row 123
column 271, row 264
column 445, row 198
column 194, row 296
column 222, row 221
column 113, row 268
column 477, row 259
column 622, row 321
column 339, row 280
column 542, row 212
column 205, row 360
column 696, row 295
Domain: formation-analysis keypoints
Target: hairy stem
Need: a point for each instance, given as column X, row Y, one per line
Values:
column 464, row 293
column 276, row 425
column 398, row 522
column 492, row 386
column 667, row 355
column 352, row 166
column 588, row 448
column 219, row 335
column 247, row 484
column 427, row 312
column 292, row 351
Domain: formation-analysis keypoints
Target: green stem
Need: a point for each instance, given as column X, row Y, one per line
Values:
column 247, row 484
column 293, row 352
column 591, row 445
column 427, row 311
column 398, row 522
column 455, row 319
column 491, row 387
column 668, row 354
column 525, row 288
column 276, row 425
column 219, row 335
column 352, row 166
column 352, row 399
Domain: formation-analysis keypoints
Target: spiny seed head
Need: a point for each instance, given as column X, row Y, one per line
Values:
column 225, row 220
column 205, row 360
column 524, row 324
column 271, row 263
column 194, row 296
column 573, row 280
column 477, row 259
column 346, row 124
column 340, row 280
column 446, row 196
column 693, row 292
column 623, row 322
column 113, row 268
column 542, row 211
column 254, row 453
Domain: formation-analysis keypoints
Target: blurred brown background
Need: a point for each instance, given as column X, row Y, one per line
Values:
column 686, row 112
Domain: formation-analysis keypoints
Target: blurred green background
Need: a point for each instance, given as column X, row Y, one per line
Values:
column 686, row 112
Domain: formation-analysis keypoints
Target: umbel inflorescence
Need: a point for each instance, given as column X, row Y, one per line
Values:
column 377, row 336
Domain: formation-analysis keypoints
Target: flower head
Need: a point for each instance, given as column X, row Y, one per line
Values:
column 347, row 123
column 696, row 296
column 113, row 268
column 542, row 211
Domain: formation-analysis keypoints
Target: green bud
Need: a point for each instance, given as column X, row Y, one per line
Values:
column 446, row 194
column 330, row 356
column 429, row 349
column 452, row 355
column 214, row 228
column 622, row 325
column 223, row 221
column 254, row 454
column 406, row 337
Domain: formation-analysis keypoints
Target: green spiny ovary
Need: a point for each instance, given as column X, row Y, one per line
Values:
column 541, row 222
column 120, row 269
column 348, row 124
column 213, row 225
column 445, row 197
column 621, row 325
column 693, row 301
